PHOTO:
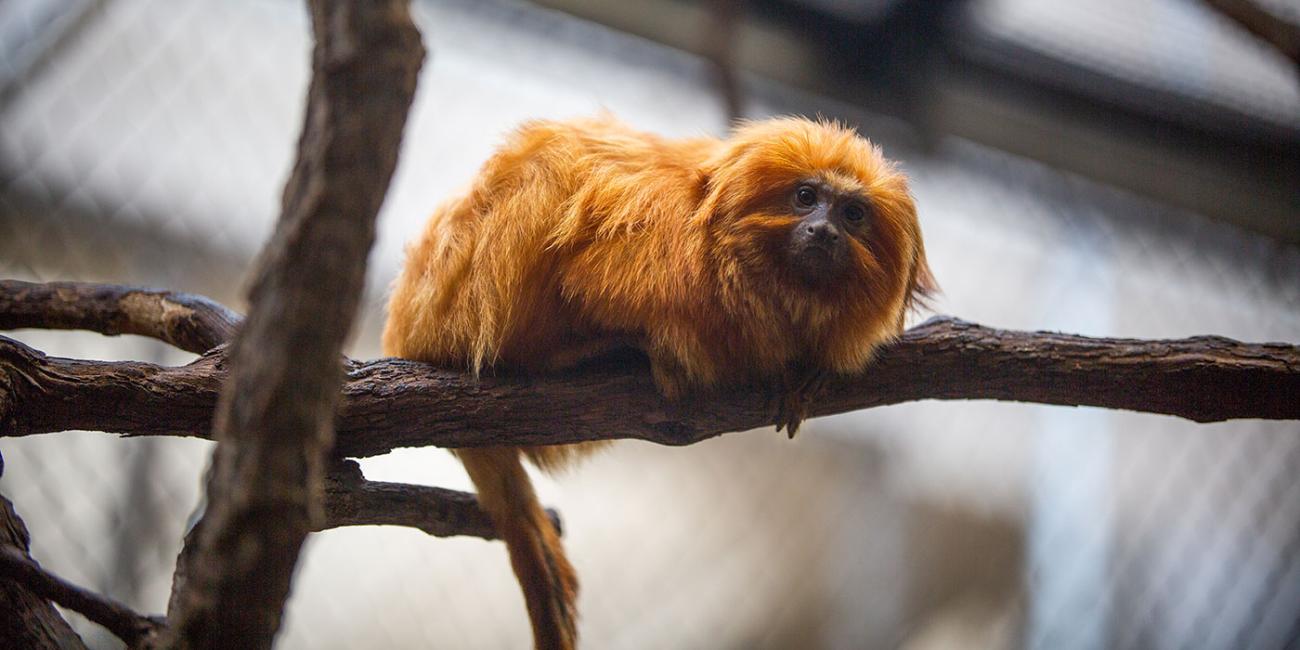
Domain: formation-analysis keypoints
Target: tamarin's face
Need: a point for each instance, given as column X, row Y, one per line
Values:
column 830, row 220
column 818, row 211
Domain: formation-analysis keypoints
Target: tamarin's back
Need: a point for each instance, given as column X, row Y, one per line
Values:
column 490, row 281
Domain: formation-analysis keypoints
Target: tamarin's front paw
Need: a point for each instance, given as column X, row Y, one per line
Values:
column 793, row 394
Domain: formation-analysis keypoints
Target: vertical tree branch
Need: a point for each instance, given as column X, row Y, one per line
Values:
column 275, row 413
column 1284, row 36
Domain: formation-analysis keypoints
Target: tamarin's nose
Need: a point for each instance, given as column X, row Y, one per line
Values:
column 824, row 231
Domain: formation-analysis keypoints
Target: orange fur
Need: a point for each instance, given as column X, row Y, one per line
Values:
column 579, row 233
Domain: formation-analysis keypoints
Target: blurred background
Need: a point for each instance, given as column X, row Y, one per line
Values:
column 1105, row 167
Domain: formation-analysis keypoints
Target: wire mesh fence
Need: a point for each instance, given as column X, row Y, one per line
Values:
column 147, row 142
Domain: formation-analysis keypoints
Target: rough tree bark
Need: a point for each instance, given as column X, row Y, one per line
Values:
column 275, row 412
column 191, row 323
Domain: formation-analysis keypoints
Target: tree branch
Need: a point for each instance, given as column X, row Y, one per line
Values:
column 191, row 323
column 29, row 620
column 393, row 403
column 275, row 413
column 132, row 628
column 351, row 500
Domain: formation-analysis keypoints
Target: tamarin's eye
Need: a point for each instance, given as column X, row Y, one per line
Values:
column 806, row 196
column 854, row 212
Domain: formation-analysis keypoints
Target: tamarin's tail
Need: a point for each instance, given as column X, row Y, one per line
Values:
column 549, row 583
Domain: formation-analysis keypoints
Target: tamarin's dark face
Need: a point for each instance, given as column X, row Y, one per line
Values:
column 815, row 217
column 819, row 244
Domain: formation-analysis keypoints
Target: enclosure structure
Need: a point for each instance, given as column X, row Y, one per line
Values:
column 127, row 159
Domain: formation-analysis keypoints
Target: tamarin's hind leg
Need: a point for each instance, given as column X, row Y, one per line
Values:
column 548, row 581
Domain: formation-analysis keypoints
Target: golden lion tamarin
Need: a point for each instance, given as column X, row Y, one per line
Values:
column 790, row 250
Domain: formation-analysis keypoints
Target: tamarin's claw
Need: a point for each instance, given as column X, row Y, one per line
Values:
column 792, row 410
column 795, row 392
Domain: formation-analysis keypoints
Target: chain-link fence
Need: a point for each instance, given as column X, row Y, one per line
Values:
column 145, row 142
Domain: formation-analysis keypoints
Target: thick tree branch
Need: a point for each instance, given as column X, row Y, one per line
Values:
column 275, row 413
column 392, row 403
column 191, row 323
column 132, row 628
